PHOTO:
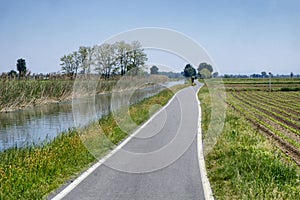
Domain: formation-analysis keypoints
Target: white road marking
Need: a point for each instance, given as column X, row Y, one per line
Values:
column 205, row 182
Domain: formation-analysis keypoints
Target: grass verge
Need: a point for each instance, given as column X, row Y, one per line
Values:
column 245, row 165
column 33, row 172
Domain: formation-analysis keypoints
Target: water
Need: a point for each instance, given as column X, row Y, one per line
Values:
column 35, row 125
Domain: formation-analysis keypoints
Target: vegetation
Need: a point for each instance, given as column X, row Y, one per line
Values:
column 20, row 93
column 16, row 94
column 205, row 70
column 106, row 59
column 154, row 70
column 21, row 67
column 33, row 172
column 189, row 71
column 244, row 164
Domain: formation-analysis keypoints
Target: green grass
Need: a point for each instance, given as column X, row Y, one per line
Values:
column 17, row 94
column 245, row 165
column 30, row 173
column 33, row 172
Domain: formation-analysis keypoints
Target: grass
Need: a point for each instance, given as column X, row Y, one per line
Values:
column 245, row 165
column 21, row 93
column 33, row 172
column 17, row 94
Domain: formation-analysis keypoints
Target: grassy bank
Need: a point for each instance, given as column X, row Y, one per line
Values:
column 32, row 173
column 17, row 94
column 244, row 164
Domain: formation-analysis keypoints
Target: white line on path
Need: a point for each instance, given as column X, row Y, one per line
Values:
column 208, row 195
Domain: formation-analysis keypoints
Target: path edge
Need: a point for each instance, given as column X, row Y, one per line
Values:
column 208, row 195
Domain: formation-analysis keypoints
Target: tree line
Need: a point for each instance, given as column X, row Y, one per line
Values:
column 106, row 59
column 204, row 71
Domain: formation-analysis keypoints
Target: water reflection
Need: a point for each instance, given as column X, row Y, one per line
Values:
column 35, row 125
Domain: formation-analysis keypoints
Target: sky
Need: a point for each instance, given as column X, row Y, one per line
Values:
column 240, row 36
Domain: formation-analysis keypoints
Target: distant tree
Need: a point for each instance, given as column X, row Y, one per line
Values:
column 215, row 74
column 154, row 70
column 12, row 74
column 21, row 67
column 264, row 74
column 205, row 66
column 189, row 71
column 292, row 75
column 270, row 74
column 208, row 71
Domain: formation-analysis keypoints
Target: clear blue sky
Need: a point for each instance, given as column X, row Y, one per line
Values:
column 245, row 36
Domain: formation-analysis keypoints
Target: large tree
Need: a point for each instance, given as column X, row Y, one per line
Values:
column 123, row 55
column 137, row 57
column 189, row 71
column 21, row 67
column 105, row 59
column 205, row 70
column 85, row 58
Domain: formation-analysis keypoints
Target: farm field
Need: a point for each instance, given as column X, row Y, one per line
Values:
column 276, row 112
column 257, row 155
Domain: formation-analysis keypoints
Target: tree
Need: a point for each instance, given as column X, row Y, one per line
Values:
column 189, row 71
column 12, row 74
column 137, row 57
column 292, row 75
column 123, row 58
column 76, row 62
column 21, row 67
column 85, row 59
column 215, row 74
column 205, row 66
column 105, row 59
column 67, row 63
column 206, row 73
column 109, row 59
column 154, row 70
column 264, row 74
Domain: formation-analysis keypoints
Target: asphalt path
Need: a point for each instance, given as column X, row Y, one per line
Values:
column 159, row 162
